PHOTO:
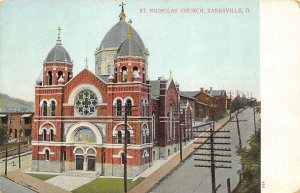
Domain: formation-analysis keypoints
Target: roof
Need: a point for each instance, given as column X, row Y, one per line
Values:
column 155, row 88
column 190, row 94
column 58, row 54
column 129, row 48
column 183, row 94
column 118, row 34
column 218, row 93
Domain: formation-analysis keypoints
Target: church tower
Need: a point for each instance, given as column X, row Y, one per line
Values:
column 58, row 67
column 106, row 53
column 48, row 125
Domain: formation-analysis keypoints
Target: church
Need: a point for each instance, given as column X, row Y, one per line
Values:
column 79, row 119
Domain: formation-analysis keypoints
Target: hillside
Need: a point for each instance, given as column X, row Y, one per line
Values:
column 10, row 104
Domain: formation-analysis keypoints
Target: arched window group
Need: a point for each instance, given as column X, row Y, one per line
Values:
column 145, row 137
column 120, row 137
column 51, row 135
column 119, row 107
column 44, row 108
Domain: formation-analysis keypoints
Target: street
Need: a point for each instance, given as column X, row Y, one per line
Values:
column 8, row 186
column 190, row 179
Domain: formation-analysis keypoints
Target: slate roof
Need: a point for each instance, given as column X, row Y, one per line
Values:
column 58, row 54
column 184, row 94
column 155, row 89
column 217, row 93
column 190, row 94
column 118, row 34
column 129, row 48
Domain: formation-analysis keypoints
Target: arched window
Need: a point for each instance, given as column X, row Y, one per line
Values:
column 44, row 108
column 124, row 74
column 119, row 107
column 59, row 74
column 129, row 107
column 135, row 72
column 46, row 154
column 51, row 135
column 69, row 76
column 119, row 137
column 171, row 122
column 128, row 137
column 153, row 126
column 142, row 107
column 44, row 134
column 145, row 135
column 49, row 78
column 144, row 76
column 122, row 158
column 146, row 108
column 52, row 108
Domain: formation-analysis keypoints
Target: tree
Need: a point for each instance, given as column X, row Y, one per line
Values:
column 250, row 160
column 3, row 134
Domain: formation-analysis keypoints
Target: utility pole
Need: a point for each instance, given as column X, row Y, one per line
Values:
column 213, row 153
column 238, row 129
column 125, row 151
column 6, row 159
column 19, row 154
column 254, row 119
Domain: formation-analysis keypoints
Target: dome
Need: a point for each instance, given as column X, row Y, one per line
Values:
column 58, row 54
column 129, row 48
column 118, row 34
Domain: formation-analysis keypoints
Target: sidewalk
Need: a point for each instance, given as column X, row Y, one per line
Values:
column 33, row 183
column 170, row 164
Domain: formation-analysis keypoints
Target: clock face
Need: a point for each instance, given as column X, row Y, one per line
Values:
column 86, row 102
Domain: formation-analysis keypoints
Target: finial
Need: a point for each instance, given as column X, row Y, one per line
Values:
column 170, row 74
column 86, row 63
column 122, row 14
column 129, row 29
column 58, row 33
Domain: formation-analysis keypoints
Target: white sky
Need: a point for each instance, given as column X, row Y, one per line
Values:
column 202, row 50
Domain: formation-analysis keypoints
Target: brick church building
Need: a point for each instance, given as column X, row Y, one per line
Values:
column 79, row 119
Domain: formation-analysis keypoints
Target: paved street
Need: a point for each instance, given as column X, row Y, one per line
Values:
column 8, row 186
column 189, row 179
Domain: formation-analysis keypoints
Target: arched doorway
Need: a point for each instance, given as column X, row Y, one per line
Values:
column 91, row 160
column 79, row 159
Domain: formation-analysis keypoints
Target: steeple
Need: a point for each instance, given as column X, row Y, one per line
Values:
column 122, row 14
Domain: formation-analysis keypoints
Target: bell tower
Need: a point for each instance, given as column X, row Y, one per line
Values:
column 58, row 67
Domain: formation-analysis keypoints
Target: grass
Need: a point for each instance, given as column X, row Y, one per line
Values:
column 43, row 177
column 107, row 185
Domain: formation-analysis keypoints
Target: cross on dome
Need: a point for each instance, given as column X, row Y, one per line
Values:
column 58, row 33
column 122, row 14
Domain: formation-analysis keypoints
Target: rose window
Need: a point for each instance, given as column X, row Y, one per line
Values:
column 86, row 102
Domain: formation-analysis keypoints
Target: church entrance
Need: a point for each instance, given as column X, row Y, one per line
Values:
column 79, row 162
column 85, row 160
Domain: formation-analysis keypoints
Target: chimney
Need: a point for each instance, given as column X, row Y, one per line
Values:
column 210, row 89
column 201, row 89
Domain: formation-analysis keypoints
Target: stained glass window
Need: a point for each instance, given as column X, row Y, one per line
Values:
column 86, row 102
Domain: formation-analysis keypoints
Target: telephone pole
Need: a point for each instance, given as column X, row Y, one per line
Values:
column 238, row 129
column 213, row 155
column 125, row 151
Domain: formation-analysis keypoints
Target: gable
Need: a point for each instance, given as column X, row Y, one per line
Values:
column 89, row 79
